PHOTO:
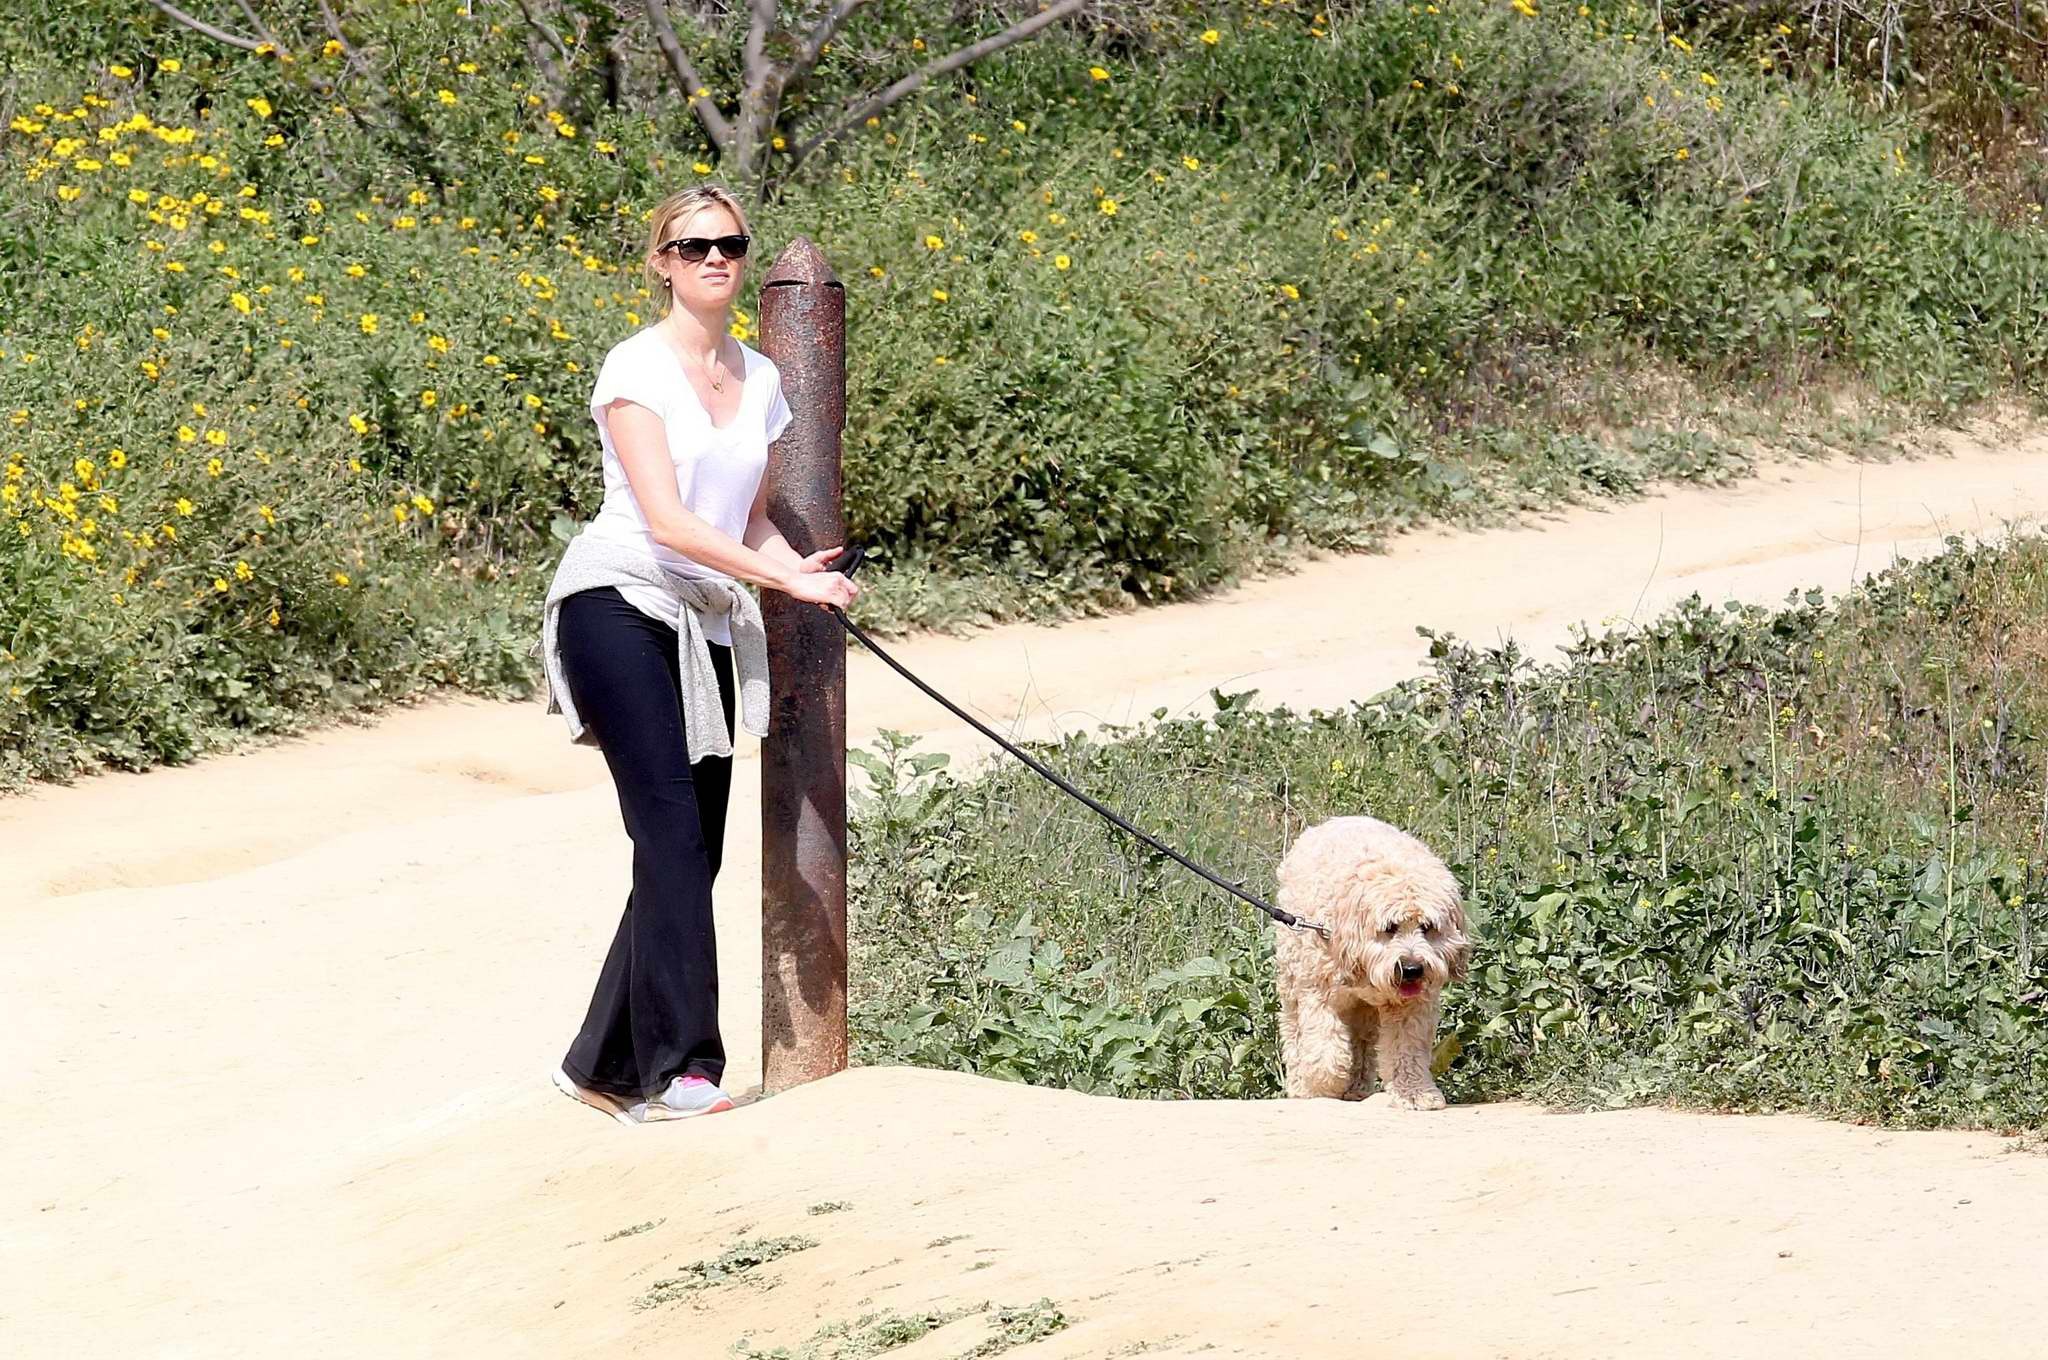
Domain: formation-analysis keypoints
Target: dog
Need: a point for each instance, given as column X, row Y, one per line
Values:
column 1367, row 995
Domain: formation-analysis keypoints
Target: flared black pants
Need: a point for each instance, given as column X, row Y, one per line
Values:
column 654, row 1015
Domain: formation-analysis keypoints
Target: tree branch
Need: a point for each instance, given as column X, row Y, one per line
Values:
column 249, row 13
column 813, row 46
column 540, row 26
column 965, row 56
column 679, row 63
column 201, row 26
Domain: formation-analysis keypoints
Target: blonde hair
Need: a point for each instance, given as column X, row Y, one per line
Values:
column 678, row 207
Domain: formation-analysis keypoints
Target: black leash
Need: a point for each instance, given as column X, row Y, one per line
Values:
column 849, row 561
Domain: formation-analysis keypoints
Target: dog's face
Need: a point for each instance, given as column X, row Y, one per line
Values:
column 1402, row 933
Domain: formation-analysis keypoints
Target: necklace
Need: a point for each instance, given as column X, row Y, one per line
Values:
column 716, row 374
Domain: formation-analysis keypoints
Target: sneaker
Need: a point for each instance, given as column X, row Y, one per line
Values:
column 625, row 1112
column 688, row 1096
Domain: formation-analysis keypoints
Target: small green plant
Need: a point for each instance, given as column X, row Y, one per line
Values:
column 735, row 1264
column 635, row 1230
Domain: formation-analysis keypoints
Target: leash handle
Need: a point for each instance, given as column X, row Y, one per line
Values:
column 849, row 561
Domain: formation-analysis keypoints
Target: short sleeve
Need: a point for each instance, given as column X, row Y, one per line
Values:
column 779, row 414
column 626, row 373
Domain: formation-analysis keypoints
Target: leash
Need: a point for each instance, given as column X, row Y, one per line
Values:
column 849, row 561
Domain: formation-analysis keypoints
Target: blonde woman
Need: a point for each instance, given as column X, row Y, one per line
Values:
column 643, row 624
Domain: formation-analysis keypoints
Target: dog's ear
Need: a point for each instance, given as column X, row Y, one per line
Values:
column 1459, row 955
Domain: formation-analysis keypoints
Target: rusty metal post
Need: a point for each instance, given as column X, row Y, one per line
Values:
column 803, row 757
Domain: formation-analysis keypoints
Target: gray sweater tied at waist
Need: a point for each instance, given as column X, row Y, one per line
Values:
column 590, row 563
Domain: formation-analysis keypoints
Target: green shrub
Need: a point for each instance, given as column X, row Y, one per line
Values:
column 1738, row 857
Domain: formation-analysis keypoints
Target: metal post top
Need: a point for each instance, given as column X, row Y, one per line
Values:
column 802, row 262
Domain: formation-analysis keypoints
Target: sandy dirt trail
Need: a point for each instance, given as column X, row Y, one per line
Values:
column 278, row 1025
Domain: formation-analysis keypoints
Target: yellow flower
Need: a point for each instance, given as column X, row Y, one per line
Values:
column 1060, row 262
column 1680, row 43
column 341, row 578
column 934, row 243
column 220, row 585
column 217, row 438
column 1097, row 73
column 1211, row 36
column 438, row 343
column 368, row 321
column 120, row 72
column 1681, row 154
column 423, row 504
column 358, row 424
column 172, row 64
column 174, row 267
column 445, row 96
column 274, row 618
column 185, row 507
column 1291, row 291
column 1027, row 236
column 532, row 401
column 186, row 434
column 243, row 571
column 261, row 105
column 1190, row 162
column 355, row 271
column 213, row 467
column 1108, row 207
column 116, row 459
column 938, row 295
column 1525, row 9
column 398, row 513
column 428, row 398
column 331, row 48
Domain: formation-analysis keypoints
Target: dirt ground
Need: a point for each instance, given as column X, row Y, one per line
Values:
column 278, row 1027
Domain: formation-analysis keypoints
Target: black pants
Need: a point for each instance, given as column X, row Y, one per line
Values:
column 654, row 1015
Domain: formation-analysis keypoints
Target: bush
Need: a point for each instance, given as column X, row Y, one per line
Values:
column 1739, row 858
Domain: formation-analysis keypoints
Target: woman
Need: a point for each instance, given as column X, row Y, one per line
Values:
column 642, row 622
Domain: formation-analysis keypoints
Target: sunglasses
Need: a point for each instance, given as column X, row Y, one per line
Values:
column 691, row 249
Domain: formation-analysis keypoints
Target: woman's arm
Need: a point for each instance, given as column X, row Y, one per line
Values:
column 642, row 444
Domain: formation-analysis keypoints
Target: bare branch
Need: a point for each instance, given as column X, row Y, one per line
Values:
column 201, row 26
column 679, row 63
column 965, row 56
column 813, row 45
column 827, row 27
column 540, row 26
column 249, row 13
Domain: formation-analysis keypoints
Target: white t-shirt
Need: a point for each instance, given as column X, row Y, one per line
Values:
column 718, row 470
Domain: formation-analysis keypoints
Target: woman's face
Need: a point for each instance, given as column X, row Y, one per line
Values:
column 711, row 283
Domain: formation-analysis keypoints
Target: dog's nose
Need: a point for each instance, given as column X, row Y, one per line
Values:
column 1410, row 972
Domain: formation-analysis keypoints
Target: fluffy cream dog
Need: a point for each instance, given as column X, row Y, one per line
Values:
column 1367, row 995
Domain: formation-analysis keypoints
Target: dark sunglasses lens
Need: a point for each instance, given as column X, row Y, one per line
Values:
column 694, row 248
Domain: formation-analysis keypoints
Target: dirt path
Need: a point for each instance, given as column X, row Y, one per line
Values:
column 278, row 1026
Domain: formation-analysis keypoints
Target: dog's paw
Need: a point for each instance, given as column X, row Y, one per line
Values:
column 1428, row 1098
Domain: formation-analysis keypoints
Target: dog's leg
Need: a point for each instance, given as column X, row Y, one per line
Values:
column 1407, row 1037
column 1365, row 1029
column 1319, row 1062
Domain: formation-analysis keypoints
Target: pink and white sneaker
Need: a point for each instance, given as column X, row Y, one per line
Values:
column 687, row 1096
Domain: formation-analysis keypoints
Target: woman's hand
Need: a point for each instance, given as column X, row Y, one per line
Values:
column 814, row 584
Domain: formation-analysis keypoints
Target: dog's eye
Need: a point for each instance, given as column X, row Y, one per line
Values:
column 1429, row 927
column 1389, row 928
